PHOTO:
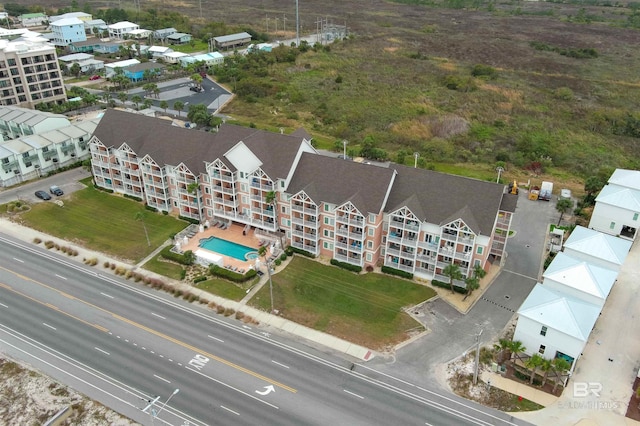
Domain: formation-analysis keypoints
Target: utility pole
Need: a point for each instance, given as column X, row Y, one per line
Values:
column 297, row 26
column 284, row 24
column 344, row 149
column 415, row 156
column 475, row 370
column 499, row 170
column 276, row 26
column 267, row 19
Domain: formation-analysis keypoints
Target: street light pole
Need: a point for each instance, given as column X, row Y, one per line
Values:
column 153, row 413
column 499, row 169
column 475, row 370
column 270, row 284
column 415, row 162
column 344, row 149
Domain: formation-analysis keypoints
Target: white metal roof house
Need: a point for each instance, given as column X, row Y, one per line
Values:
column 159, row 51
column 210, row 59
column 555, row 324
column 617, row 210
column 173, row 57
column 120, row 29
column 597, row 248
column 580, row 279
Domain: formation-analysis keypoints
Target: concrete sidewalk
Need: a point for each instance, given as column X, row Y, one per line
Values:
column 517, row 388
column 265, row 319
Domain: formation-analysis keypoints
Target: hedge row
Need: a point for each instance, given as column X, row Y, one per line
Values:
column 347, row 266
column 179, row 258
column 393, row 271
column 299, row 251
column 456, row 288
column 132, row 197
column 231, row 275
column 190, row 220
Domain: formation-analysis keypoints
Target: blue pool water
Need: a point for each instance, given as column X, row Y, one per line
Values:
column 228, row 248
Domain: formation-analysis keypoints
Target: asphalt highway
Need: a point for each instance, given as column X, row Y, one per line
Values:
column 126, row 345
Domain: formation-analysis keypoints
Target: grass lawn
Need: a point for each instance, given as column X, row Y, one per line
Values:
column 167, row 269
column 103, row 222
column 225, row 289
column 364, row 309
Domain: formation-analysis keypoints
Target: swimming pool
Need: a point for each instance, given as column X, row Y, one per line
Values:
column 228, row 248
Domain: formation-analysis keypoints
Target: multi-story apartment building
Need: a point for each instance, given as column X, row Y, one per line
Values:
column 29, row 73
column 68, row 30
column 415, row 220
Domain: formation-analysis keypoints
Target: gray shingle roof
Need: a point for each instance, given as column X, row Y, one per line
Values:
column 171, row 145
column 440, row 198
column 337, row 181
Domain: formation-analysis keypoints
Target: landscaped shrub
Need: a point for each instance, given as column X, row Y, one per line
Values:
column 121, row 270
column 347, row 266
column 132, row 197
column 220, row 309
column 106, row 264
column 300, row 251
column 441, row 284
column 231, row 275
column 178, row 258
column 229, row 311
column 91, row 262
column 199, row 279
column 289, row 251
column 150, row 208
column 37, row 240
column 239, row 315
column 49, row 244
column 183, row 273
column 283, row 256
column 188, row 219
column 128, row 274
column 393, row 271
column 212, row 304
column 369, row 268
column 277, row 262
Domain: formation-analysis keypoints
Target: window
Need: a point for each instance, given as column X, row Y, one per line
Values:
column 479, row 250
column 327, row 207
column 612, row 225
column 243, row 187
column 327, row 245
column 372, row 218
column 476, row 262
column 371, row 231
column 369, row 258
column 283, row 210
column 635, row 216
column 541, row 350
column 543, row 331
column 328, row 221
column 370, row 245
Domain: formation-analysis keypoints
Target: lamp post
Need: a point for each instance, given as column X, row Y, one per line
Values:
column 270, row 284
column 415, row 157
column 344, row 149
column 499, row 169
column 475, row 370
column 153, row 413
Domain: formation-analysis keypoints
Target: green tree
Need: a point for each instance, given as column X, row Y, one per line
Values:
column 546, row 367
column 502, row 347
column 194, row 188
column 198, row 113
column 271, row 198
column 178, row 106
column 532, row 364
column 164, row 105
column 563, row 205
column 453, row 272
column 592, row 185
column 123, row 97
column 189, row 257
column 75, row 69
column 560, row 367
column 147, row 103
column 136, row 99
column 516, row 348
column 197, row 80
column 473, row 282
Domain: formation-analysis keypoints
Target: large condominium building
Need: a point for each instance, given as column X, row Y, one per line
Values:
column 415, row 220
column 29, row 73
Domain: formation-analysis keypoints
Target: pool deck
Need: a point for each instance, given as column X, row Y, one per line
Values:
column 233, row 234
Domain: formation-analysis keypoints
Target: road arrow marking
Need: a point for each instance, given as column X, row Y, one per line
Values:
column 267, row 390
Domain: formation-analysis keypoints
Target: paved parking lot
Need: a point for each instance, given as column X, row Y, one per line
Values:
column 67, row 181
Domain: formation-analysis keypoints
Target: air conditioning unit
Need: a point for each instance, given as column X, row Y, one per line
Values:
column 55, row 160
column 16, row 172
column 73, row 154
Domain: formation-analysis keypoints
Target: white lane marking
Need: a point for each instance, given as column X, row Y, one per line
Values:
column 107, row 295
column 100, row 350
column 161, row 378
column 61, row 277
column 3, row 305
column 230, row 410
column 47, row 325
column 354, row 394
column 156, row 315
column 215, row 338
column 18, row 260
column 232, row 388
column 281, row 365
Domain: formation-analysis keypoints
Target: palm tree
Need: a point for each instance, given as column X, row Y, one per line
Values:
column 516, row 347
column 178, row 106
column 533, row 363
column 473, row 282
column 563, row 205
column 194, row 188
column 560, row 367
column 262, row 251
column 136, row 99
column 546, row 367
column 164, row 105
column 271, row 199
column 123, row 97
column 453, row 272
column 502, row 347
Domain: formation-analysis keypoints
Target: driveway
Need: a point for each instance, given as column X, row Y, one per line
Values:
column 451, row 333
column 67, row 181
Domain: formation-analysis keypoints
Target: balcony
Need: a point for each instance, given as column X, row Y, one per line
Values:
column 225, row 177
column 350, row 220
column 268, row 187
column 352, row 235
column 309, row 248
column 427, row 245
column 301, row 209
column 425, row 258
column 396, row 265
column 299, row 221
column 355, row 260
column 68, row 149
column 10, row 165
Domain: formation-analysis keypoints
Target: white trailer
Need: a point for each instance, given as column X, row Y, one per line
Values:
column 546, row 189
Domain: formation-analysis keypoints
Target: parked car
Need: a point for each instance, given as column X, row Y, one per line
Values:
column 196, row 89
column 94, row 77
column 55, row 190
column 43, row 195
